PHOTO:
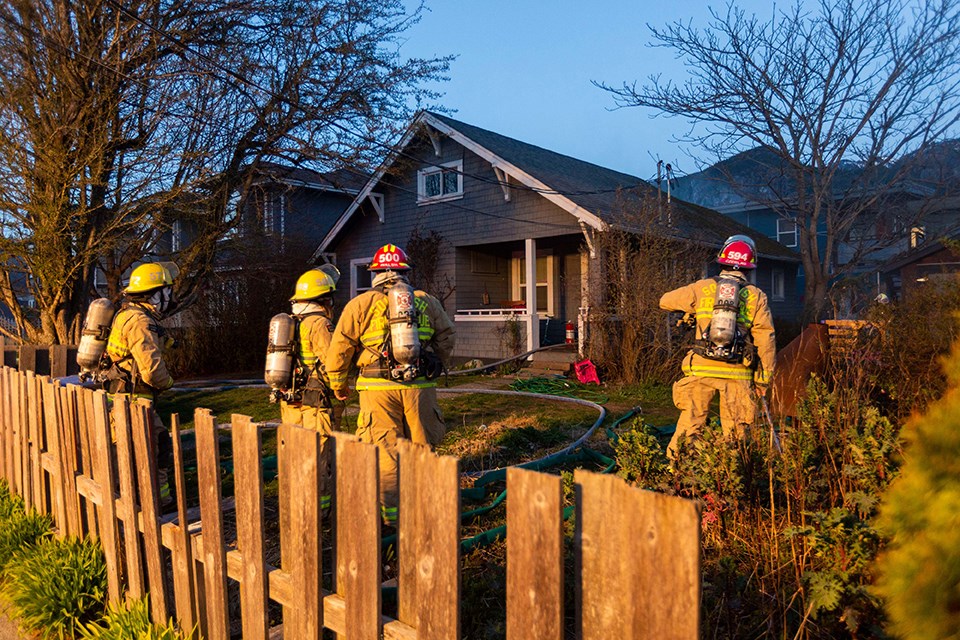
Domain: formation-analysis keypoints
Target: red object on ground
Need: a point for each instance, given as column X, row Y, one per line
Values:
column 586, row 372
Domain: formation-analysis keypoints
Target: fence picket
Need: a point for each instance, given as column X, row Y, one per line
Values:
column 248, row 480
column 141, row 414
column 301, row 539
column 34, row 416
column 85, row 464
column 358, row 537
column 429, row 542
column 534, row 556
column 128, row 497
column 621, row 599
column 182, row 553
column 105, row 475
column 211, row 515
column 58, row 502
column 16, row 435
column 5, row 427
column 66, row 423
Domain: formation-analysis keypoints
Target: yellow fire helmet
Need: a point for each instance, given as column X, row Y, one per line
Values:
column 151, row 276
column 313, row 284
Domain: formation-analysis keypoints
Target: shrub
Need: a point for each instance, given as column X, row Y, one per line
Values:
column 57, row 586
column 919, row 573
column 19, row 531
column 121, row 623
column 10, row 503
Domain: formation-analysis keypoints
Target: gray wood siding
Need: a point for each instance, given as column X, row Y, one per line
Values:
column 480, row 217
column 483, row 340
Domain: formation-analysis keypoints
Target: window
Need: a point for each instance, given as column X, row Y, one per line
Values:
column 778, row 285
column 444, row 182
column 546, row 269
column 360, row 279
column 787, row 232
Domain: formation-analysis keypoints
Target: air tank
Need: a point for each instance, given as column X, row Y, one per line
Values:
column 278, row 372
column 96, row 330
column 726, row 306
column 404, row 332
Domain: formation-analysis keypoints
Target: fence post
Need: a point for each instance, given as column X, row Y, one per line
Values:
column 248, row 480
column 534, row 556
column 300, row 540
column 182, row 553
column 211, row 516
column 627, row 595
column 105, row 475
column 358, row 536
column 429, row 541
column 142, row 418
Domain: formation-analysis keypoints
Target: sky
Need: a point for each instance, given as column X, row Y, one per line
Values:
column 524, row 70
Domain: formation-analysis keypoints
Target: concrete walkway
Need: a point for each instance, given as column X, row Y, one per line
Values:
column 8, row 628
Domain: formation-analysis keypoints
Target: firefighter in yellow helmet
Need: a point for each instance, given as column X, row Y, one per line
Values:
column 401, row 340
column 734, row 350
column 311, row 403
column 134, row 355
column 136, row 343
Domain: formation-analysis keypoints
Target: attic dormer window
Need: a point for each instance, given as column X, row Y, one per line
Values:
column 440, row 182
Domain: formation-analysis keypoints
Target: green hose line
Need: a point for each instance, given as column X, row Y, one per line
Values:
column 558, row 387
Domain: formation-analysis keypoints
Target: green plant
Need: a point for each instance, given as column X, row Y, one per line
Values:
column 57, row 586
column 122, row 623
column 19, row 531
column 10, row 503
column 641, row 459
column 510, row 333
column 919, row 572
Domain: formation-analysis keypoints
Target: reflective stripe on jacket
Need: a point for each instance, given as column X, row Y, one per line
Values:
column 753, row 317
column 362, row 333
column 315, row 330
column 135, row 338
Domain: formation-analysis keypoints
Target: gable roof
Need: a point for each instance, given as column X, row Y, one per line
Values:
column 594, row 195
column 342, row 180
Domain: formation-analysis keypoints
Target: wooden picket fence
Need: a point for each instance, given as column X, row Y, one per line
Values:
column 71, row 455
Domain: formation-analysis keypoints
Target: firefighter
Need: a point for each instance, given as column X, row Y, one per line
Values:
column 401, row 340
column 734, row 347
column 311, row 403
column 134, row 355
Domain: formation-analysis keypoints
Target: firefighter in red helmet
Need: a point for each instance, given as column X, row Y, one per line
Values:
column 401, row 340
column 734, row 350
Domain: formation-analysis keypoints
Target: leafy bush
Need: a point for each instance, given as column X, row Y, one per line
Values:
column 19, row 531
column 10, row 503
column 57, row 586
column 788, row 535
column 121, row 623
column 919, row 573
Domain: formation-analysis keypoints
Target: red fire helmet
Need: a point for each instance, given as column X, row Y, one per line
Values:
column 738, row 251
column 389, row 257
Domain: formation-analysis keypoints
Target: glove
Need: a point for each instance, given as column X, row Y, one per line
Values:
column 762, row 390
column 342, row 394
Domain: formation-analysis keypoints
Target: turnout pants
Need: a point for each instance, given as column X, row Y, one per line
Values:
column 693, row 394
column 319, row 419
column 389, row 414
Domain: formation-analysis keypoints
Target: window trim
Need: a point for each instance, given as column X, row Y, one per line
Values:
column 795, row 232
column 355, row 265
column 775, row 275
column 422, row 175
column 517, row 291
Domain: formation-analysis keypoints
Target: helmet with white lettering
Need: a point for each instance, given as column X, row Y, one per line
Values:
column 390, row 257
column 739, row 252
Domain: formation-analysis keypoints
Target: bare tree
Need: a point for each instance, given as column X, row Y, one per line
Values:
column 120, row 119
column 867, row 85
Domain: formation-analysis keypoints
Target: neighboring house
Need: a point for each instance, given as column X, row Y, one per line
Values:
column 519, row 223
column 935, row 261
column 915, row 209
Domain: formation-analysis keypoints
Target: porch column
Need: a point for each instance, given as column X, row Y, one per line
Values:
column 533, row 320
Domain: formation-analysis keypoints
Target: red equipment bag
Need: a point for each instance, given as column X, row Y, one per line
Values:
column 586, row 372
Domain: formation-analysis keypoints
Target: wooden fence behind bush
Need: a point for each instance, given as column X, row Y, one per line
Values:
column 90, row 466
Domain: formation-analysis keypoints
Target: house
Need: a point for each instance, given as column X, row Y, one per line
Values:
column 935, row 261
column 916, row 204
column 518, row 223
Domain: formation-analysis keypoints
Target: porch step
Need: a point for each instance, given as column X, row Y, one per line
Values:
column 557, row 361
